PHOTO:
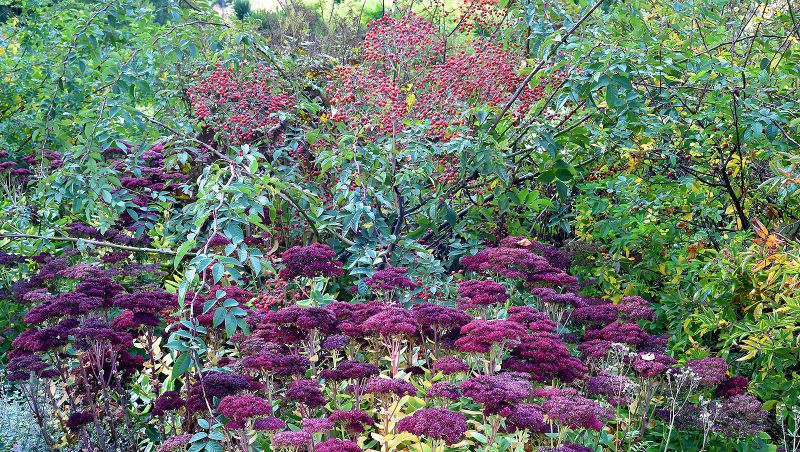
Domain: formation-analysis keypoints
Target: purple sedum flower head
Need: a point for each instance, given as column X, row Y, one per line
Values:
column 443, row 390
column 711, row 370
column 732, row 386
column 337, row 445
column 271, row 424
column 307, row 392
column 390, row 278
column 392, row 322
column 527, row 416
column 477, row 293
column 480, row 335
column 310, row 261
column 495, row 392
column 386, row 386
column 435, row 423
column 577, row 412
column 317, row 424
column 239, row 408
column 450, row 365
column 292, row 440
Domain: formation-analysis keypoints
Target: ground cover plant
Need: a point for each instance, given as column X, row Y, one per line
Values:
column 485, row 225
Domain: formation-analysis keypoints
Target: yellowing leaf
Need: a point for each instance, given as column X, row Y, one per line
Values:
column 411, row 99
column 748, row 356
column 686, row 324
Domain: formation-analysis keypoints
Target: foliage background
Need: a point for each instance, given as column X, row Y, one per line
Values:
column 663, row 150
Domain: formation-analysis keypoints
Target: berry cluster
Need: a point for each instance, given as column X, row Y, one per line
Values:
column 240, row 108
column 411, row 73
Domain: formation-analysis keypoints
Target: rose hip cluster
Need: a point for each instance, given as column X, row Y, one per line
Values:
column 240, row 108
column 411, row 73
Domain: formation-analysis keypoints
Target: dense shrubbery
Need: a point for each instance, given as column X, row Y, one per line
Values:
column 496, row 226
column 497, row 371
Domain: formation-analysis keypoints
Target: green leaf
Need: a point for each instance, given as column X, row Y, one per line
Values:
column 234, row 233
column 181, row 365
column 219, row 316
column 255, row 262
column 178, row 346
column 217, row 272
column 182, row 250
column 547, row 177
column 450, row 216
column 478, row 436
column 230, row 324
column 312, row 136
column 564, row 171
column 613, row 98
column 562, row 189
column 239, row 312
column 198, row 436
column 772, row 131
column 351, row 222
column 217, row 436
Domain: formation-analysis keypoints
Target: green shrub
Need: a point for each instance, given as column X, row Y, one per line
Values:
column 294, row 22
column 265, row 19
column 371, row 12
column 241, row 8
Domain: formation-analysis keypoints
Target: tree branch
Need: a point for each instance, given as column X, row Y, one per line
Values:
column 94, row 242
column 561, row 40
